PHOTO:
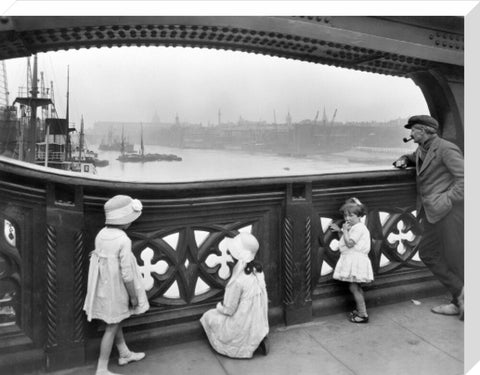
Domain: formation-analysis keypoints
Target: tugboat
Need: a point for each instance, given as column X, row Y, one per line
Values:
column 141, row 157
column 82, row 154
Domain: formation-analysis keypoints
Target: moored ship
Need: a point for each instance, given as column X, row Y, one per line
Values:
column 45, row 140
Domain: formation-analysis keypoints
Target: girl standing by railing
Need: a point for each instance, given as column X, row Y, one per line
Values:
column 115, row 288
column 354, row 265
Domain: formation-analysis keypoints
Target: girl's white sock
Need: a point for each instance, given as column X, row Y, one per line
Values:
column 123, row 350
column 362, row 309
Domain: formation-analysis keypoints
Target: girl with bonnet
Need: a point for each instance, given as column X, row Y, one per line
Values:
column 115, row 288
column 239, row 325
column 354, row 265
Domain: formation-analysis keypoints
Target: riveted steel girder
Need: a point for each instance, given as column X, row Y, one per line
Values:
column 398, row 46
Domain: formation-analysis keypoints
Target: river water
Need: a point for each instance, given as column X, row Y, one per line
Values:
column 204, row 165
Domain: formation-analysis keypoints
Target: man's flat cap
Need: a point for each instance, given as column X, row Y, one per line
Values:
column 422, row 120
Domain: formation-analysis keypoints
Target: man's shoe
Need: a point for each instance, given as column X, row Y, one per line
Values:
column 448, row 309
column 131, row 357
column 461, row 304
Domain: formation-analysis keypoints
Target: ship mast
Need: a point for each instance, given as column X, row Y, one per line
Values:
column 32, row 101
column 68, row 152
column 142, row 151
column 53, row 113
column 81, row 141
column 122, row 145
column 47, row 139
column 32, row 128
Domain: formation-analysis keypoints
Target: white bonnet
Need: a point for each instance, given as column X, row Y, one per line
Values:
column 121, row 210
column 243, row 246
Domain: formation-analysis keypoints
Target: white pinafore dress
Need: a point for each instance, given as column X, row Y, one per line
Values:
column 354, row 264
column 237, row 326
column 112, row 264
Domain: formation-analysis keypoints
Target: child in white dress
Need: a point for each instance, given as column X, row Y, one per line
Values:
column 354, row 265
column 238, row 326
column 115, row 288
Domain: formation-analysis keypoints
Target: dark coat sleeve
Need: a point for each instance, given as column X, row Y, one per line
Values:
column 410, row 159
column 453, row 160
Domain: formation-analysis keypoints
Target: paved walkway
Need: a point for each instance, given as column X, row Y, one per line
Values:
column 401, row 339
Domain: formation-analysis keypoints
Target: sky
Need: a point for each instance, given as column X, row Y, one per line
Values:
column 133, row 83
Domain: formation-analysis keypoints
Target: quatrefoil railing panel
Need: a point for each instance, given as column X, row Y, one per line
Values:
column 395, row 235
column 185, row 266
column 10, row 274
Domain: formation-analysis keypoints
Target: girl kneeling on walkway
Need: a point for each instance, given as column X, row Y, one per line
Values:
column 239, row 325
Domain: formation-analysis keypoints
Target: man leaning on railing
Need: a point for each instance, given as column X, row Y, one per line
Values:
column 440, row 197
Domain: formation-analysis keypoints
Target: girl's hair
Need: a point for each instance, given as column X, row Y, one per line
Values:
column 353, row 206
column 119, row 226
column 253, row 265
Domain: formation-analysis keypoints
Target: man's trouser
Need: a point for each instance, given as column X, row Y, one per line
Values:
column 442, row 249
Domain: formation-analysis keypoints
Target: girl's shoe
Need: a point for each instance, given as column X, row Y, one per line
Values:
column 105, row 372
column 131, row 357
column 264, row 346
column 352, row 313
column 355, row 318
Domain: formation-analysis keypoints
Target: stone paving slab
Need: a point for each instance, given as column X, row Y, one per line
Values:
column 401, row 339
column 444, row 332
column 292, row 352
column 388, row 348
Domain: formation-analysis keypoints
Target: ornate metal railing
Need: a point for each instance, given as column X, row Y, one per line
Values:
column 50, row 222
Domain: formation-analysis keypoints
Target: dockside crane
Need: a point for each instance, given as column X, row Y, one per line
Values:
column 333, row 117
column 324, row 117
column 316, row 118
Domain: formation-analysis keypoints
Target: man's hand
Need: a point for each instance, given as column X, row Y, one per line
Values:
column 400, row 163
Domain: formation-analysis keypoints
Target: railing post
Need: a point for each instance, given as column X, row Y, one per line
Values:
column 297, row 254
column 65, row 277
